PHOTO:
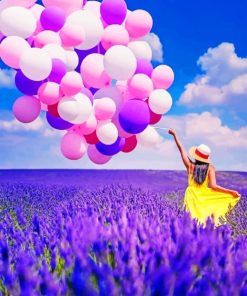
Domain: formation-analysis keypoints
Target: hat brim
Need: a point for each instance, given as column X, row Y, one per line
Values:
column 192, row 153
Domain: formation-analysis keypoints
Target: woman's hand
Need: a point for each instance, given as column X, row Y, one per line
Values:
column 235, row 194
column 172, row 132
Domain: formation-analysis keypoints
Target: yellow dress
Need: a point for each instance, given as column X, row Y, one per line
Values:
column 202, row 202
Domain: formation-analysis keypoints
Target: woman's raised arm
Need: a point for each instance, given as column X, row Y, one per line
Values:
column 181, row 149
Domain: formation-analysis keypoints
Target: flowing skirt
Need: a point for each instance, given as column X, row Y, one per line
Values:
column 202, row 203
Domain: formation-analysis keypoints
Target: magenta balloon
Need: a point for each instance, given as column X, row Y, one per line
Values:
column 26, row 85
column 26, row 109
column 58, row 71
column 111, row 149
column 134, row 116
column 52, row 18
column 113, row 11
column 96, row 157
column 145, row 67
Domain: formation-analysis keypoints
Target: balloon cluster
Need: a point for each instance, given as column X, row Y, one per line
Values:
column 88, row 66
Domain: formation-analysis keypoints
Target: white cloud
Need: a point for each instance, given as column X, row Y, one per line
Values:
column 156, row 46
column 228, row 146
column 7, row 78
column 15, row 125
column 224, row 79
column 208, row 128
column 39, row 126
column 52, row 133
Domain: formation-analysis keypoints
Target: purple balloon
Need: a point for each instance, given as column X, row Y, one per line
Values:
column 26, row 85
column 101, row 49
column 57, row 122
column 113, row 11
column 2, row 36
column 134, row 116
column 52, row 18
column 58, row 71
column 88, row 93
column 111, row 149
column 144, row 67
column 93, row 90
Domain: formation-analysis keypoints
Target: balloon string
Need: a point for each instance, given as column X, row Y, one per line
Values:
column 162, row 128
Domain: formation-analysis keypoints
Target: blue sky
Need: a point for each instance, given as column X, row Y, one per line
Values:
column 187, row 30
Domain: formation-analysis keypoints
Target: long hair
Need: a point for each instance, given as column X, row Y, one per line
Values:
column 200, row 171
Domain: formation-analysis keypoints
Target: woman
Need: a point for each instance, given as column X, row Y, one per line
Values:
column 200, row 200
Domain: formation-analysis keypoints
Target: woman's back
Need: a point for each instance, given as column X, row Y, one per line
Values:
column 191, row 180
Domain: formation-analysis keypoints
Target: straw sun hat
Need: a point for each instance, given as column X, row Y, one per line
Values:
column 200, row 153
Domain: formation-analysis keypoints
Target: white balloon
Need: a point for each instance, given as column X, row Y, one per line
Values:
column 72, row 60
column 149, row 137
column 141, row 50
column 36, row 10
column 85, row 109
column 160, row 101
column 17, row 21
column 120, row 62
column 107, row 132
column 24, row 3
column 94, row 7
column 110, row 92
column 55, row 51
column 68, row 109
column 36, row 64
column 92, row 26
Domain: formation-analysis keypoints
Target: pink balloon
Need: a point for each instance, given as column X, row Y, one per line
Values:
column 114, row 35
column 96, row 157
column 93, row 72
column 67, row 5
column 73, row 146
column 72, row 35
column 154, row 118
column 130, row 144
column 46, row 37
column 71, row 83
column 49, row 93
column 87, row 127
column 104, row 108
column 44, row 107
column 26, row 109
column 11, row 49
column 140, row 86
column 163, row 77
column 138, row 23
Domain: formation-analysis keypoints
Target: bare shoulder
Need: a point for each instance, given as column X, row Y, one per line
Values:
column 211, row 169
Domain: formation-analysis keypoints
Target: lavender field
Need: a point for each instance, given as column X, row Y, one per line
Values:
column 78, row 232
